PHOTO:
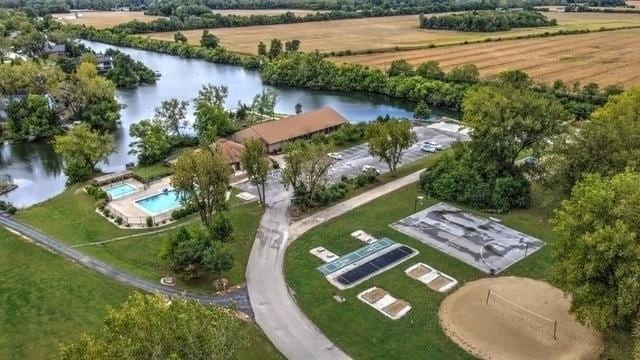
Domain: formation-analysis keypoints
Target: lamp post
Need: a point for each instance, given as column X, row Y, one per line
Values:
column 419, row 199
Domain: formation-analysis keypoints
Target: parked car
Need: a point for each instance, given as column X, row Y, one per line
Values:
column 370, row 168
column 433, row 145
column 428, row 148
column 335, row 156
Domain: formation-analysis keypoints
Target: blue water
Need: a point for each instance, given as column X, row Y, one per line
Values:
column 121, row 190
column 160, row 203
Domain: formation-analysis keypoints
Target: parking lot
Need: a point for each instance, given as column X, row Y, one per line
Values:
column 355, row 158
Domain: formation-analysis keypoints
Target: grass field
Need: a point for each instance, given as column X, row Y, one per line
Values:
column 70, row 218
column 385, row 32
column 611, row 57
column 103, row 19
column 364, row 333
column 46, row 301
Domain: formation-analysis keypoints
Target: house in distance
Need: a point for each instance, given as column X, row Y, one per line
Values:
column 275, row 134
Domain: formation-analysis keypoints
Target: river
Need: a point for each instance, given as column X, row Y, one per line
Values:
column 37, row 170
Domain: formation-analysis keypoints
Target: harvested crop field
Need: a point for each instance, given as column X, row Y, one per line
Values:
column 386, row 32
column 103, row 19
column 607, row 58
column 518, row 323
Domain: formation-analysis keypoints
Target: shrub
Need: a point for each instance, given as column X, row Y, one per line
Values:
column 3, row 205
column 275, row 164
column 12, row 210
column 119, row 220
column 106, row 212
column 178, row 214
column 149, row 221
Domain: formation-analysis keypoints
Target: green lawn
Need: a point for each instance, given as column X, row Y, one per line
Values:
column 46, row 300
column 366, row 334
column 151, row 171
column 70, row 218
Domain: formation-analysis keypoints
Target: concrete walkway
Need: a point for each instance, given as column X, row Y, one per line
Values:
column 275, row 310
column 238, row 298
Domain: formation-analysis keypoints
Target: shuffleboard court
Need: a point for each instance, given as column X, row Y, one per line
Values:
column 352, row 257
column 479, row 242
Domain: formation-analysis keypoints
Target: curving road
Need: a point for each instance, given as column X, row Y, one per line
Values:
column 275, row 309
column 240, row 298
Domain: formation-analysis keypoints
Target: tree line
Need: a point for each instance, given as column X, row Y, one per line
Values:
column 486, row 21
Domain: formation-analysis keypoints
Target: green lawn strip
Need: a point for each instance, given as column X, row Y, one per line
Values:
column 363, row 332
column 71, row 219
column 151, row 171
column 46, row 301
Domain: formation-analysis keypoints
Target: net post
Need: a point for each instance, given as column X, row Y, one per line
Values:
column 555, row 328
column 488, row 294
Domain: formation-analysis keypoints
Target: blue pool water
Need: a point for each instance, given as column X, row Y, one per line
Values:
column 160, row 203
column 120, row 190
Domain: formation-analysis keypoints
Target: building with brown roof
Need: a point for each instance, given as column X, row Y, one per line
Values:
column 230, row 149
column 275, row 134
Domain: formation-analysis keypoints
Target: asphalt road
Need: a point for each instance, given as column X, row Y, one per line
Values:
column 239, row 298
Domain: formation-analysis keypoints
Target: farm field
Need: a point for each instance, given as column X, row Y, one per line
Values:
column 103, row 19
column 386, row 32
column 607, row 58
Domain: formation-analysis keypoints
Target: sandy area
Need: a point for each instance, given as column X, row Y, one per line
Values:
column 500, row 331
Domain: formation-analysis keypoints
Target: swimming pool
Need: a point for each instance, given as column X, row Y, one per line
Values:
column 160, row 203
column 120, row 190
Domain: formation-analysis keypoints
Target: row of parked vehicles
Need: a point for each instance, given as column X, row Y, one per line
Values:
column 430, row 147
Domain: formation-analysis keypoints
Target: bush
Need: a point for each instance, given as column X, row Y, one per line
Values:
column 119, row 220
column 149, row 221
column 12, row 210
column 178, row 214
column 3, row 205
column 275, row 164
column 106, row 212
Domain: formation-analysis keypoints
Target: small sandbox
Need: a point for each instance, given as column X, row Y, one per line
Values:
column 516, row 318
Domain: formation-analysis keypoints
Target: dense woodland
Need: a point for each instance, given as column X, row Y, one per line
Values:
column 486, row 21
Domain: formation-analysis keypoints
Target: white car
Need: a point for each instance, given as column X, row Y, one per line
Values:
column 335, row 156
column 428, row 148
column 433, row 145
column 370, row 168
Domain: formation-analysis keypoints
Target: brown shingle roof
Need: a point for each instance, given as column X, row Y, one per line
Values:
column 230, row 149
column 273, row 132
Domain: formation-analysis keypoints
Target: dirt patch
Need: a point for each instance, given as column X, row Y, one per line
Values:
column 439, row 282
column 103, row 19
column 394, row 309
column 374, row 295
column 418, row 272
column 502, row 331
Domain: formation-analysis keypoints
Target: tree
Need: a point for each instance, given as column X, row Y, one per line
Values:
column 32, row 119
column 430, row 70
column 605, row 145
column 400, row 67
column 218, row 259
column 173, row 115
column 84, row 148
column 467, row 73
column 153, row 142
column 597, row 250
column 157, row 327
column 388, row 141
column 292, row 46
column 211, row 119
column 507, row 121
column 298, row 108
column 307, row 166
column 422, row 111
column 209, row 40
column 212, row 94
column 185, row 252
column 276, row 48
column 255, row 162
column 221, row 228
column 201, row 178
column 262, row 49
column 179, row 37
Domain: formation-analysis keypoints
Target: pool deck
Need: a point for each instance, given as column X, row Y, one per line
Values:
column 127, row 205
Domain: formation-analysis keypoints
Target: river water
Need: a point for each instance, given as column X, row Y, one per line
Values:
column 37, row 170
